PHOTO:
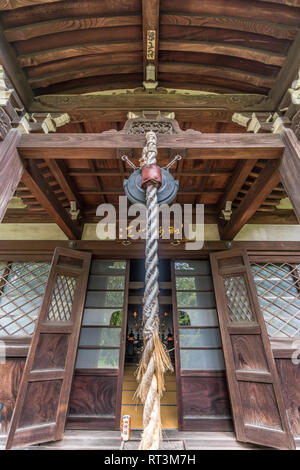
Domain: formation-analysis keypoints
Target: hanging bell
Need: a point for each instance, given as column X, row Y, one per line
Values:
column 167, row 186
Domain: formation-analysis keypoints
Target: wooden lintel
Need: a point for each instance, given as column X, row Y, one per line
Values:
column 35, row 182
column 11, row 249
column 267, row 180
column 114, row 107
column 204, row 146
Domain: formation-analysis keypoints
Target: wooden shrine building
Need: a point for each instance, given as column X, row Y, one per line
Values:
column 81, row 82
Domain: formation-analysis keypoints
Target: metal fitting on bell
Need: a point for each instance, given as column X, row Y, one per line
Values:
column 151, row 174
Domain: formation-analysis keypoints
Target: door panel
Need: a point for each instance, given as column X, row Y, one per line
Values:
column 203, row 400
column 257, row 404
column 95, row 400
column 42, row 402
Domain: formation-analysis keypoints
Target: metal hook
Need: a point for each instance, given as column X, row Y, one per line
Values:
column 126, row 159
column 177, row 157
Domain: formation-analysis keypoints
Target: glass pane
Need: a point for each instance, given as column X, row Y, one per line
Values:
column 199, row 337
column 237, row 299
column 100, row 337
column 196, row 299
column 104, row 299
column 192, row 267
column 98, row 282
column 194, row 283
column 96, row 316
column 108, row 267
column 279, row 298
column 21, row 297
column 97, row 359
column 195, row 359
column 205, row 317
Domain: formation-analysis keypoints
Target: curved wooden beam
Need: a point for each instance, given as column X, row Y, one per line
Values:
column 246, row 9
column 13, row 4
column 115, row 69
column 81, row 62
column 215, row 71
column 60, row 25
column 77, row 50
column 266, row 57
column 267, row 28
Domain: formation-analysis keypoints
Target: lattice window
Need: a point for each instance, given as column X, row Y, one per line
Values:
column 237, row 299
column 278, row 289
column 22, row 287
column 62, row 298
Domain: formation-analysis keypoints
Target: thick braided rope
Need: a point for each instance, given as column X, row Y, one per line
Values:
column 154, row 360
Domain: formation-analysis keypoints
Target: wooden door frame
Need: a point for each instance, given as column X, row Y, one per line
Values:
column 177, row 349
column 118, row 405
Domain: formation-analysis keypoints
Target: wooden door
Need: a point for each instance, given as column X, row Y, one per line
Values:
column 257, row 404
column 42, row 402
column 202, row 394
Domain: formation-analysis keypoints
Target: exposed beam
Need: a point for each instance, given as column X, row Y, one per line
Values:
column 77, row 50
column 115, row 107
column 11, row 168
column 13, row 4
column 280, row 31
column 200, row 70
column 287, row 73
column 116, row 69
column 241, row 172
column 59, row 170
column 60, row 25
column 38, row 186
column 176, row 174
column 13, row 70
column 150, row 12
column 98, row 146
column 249, row 53
column 259, row 191
column 289, row 169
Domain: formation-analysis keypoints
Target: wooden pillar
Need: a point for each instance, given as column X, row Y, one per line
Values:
column 11, row 169
column 289, row 169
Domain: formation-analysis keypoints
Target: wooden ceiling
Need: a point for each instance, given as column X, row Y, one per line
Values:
column 224, row 46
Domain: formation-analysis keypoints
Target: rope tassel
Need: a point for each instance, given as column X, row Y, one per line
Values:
column 155, row 360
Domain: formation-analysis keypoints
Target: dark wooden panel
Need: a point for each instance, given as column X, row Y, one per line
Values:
column 10, row 377
column 51, row 351
column 92, row 398
column 205, row 396
column 47, row 393
column 243, row 346
column 289, row 376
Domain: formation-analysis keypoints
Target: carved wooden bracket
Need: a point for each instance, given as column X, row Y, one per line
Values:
column 13, row 115
column 288, row 115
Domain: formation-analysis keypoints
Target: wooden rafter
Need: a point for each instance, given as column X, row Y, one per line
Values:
column 35, row 182
column 12, row 4
column 259, row 191
column 241, row 172
column 59, row 171
column 15, row 73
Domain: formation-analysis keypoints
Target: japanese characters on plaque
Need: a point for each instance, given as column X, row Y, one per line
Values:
column 151, row 36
